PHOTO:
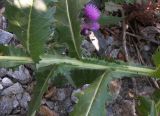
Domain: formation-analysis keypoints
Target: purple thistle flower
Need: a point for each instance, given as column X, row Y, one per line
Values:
column 94, row 26
column 85, row 32
column 91, row 26
column 92, row 12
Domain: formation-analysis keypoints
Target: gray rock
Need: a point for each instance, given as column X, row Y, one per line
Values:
column 43, row 101
column 1, row 87
column 6, row 105
column 68, row 104
column 61, row 94
column 85, row 86
column 22, row 75
column 14, row 89
column 114, row 53
column 87, row 48
column 6, row 82
column 15, row 103
column 73, row 96
column 3, row 72
column 5, row 37
column 146, row 48
column 102, row 42
column 19, row 96
column 24, row 101
column 50, row 104
column 109, row 40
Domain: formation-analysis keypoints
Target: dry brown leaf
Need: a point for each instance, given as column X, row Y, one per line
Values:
column 45, row 111
column 51, row 92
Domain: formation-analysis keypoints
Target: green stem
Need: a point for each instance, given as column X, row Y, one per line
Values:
column 16, row 59
column 79, row 64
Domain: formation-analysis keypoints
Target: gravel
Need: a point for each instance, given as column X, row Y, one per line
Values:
column 14, row 89
column 22, row 75
column 6, row 82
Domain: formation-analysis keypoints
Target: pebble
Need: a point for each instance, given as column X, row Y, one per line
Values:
column 6, row 82
column 146, row 48
column 19, row 96
column 6, row 105
column 68, row 104
column 3, row 72
column 50, row 104
column 24, row 101
column 73, row 96
column 14, row 89
column 109, row 40
column 114, row 53
column 87, row 48
column 5, row 37
column 22, row 75
column 1, row 87
column 61, row 94
column 15, row 103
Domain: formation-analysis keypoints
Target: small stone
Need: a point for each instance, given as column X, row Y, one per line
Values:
column 14, row 89
column 61, row 94
column 22, row 75
column 16, row 111
column 5, row 37
column 73, row 96
column 67, row 104
column 3, row 72
column 6, row 82
column 109, row 40
column 19, row 96
column 146, row 48
column 43, row 101
column 6, row 105
column 50, row 104
column 1, row 87
column 24, row 101
column 114, row 53
column 15, row 103
column 70, row 109
column 85, row 86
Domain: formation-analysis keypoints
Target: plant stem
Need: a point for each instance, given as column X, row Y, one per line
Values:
column 16, row 59
column 79, row 64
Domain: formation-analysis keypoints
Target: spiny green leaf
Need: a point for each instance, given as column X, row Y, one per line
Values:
column 30, row 20
column 156, row 98
column 92, row 100
column 11, row 51
column 83, row 76
column 109, row 20
column 156, row 57
column 143, row 107
column 43, row 75
column 156, row 73
column 68, row 24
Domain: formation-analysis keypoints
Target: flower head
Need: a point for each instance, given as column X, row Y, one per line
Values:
column 91, row 12
column 93, row 26
column 85, row 32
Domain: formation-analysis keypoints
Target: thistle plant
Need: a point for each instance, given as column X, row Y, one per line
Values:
column 31, row 24
column 91, row 17
column 92, row 12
